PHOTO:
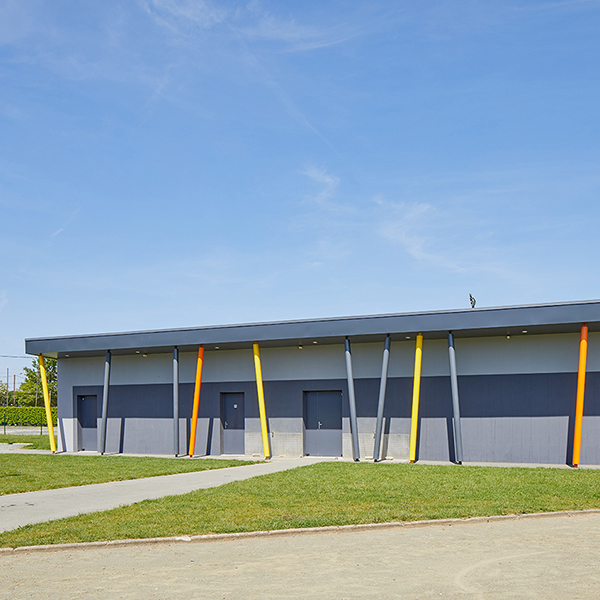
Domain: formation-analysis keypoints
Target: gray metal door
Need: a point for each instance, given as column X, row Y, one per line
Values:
column 232, row 423
column 323, row 423
column 87, row 415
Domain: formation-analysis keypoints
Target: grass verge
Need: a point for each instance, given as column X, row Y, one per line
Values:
column 330, row 494
column 29, row 472
column 37, row 442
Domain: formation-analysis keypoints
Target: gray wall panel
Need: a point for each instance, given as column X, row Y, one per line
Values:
column 515, row 418
column 516, row 439
column 590, row 440
column 434, row 440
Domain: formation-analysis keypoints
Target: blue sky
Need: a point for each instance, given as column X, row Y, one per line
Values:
column 169, row 163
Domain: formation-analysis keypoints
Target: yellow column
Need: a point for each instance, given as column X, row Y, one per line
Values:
column 47, row 404
column 261, row 402
column 414, row 419
column 580, row 395
column 196, row 401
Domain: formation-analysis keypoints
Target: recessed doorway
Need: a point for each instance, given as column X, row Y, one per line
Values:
column 232, row 423
column 323, row 423
column 87, row 418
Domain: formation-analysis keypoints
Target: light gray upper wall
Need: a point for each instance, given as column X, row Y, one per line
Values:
column 154, row 368
column 475, row 356
column 79, row 371
column 550, row 353
column 228, row 365
column 312, row 362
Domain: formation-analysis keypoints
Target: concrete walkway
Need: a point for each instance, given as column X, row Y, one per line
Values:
column 25, row 430
column 536, row 558
column 17, row 510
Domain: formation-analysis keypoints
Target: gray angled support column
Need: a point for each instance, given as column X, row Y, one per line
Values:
column 455, row 402
column 176, row 401
column 105, row 402
column 352, row 402
column 382, row 386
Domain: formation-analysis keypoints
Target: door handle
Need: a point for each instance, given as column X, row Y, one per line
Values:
column 226, row 424
column 319, row 423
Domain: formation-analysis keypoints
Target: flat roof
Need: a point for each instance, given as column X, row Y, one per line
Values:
column 563, row 317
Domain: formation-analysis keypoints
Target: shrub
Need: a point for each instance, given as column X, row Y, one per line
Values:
column 25, row 415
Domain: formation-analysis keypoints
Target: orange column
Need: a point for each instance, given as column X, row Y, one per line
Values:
column 196, row 400
column 580, row 395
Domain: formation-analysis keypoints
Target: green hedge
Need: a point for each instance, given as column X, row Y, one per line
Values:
column 25, row 415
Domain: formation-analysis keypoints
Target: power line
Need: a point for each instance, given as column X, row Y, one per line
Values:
column 13, row 356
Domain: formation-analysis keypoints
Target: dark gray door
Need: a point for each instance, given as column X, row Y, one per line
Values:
column 88, row 424
column 323, row 423
column 232, row 423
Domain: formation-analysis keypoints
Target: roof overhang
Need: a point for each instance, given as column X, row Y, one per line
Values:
column 505, row 320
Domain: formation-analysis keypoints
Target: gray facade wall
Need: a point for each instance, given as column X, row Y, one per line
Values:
column 517, row 398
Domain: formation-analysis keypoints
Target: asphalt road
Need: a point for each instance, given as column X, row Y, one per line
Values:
column 546, row 558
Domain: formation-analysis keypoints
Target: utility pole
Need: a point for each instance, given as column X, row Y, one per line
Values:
column 7, row 384
column 14, row 390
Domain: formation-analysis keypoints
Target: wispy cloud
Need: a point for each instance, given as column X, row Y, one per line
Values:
column 447, row 233
column 65, row 224
column 184, row 17
column 297, row 37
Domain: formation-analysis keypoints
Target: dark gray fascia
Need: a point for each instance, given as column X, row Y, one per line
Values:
column 540, row 318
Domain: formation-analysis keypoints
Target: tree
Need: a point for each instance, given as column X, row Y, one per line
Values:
column 30, row 391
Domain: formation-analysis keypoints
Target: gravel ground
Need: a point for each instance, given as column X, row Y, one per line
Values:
column 547, row 558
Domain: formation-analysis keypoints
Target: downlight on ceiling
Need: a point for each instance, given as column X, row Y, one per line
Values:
column 524, row 331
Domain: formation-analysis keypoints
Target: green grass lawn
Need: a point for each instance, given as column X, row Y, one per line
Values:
column 37, row 442
column 28, row 472
column 331, row 494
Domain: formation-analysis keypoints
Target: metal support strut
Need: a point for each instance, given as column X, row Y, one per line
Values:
column 382, row 386
column 583, row 343
column 176, row 401
column 455, row 402
column 414, row 419
column 262, row 411
column 196, row 405
column 46, row 404
column 352, row 402
column 105, row 402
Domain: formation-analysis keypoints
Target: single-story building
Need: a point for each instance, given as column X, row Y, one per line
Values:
column 504, row 384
